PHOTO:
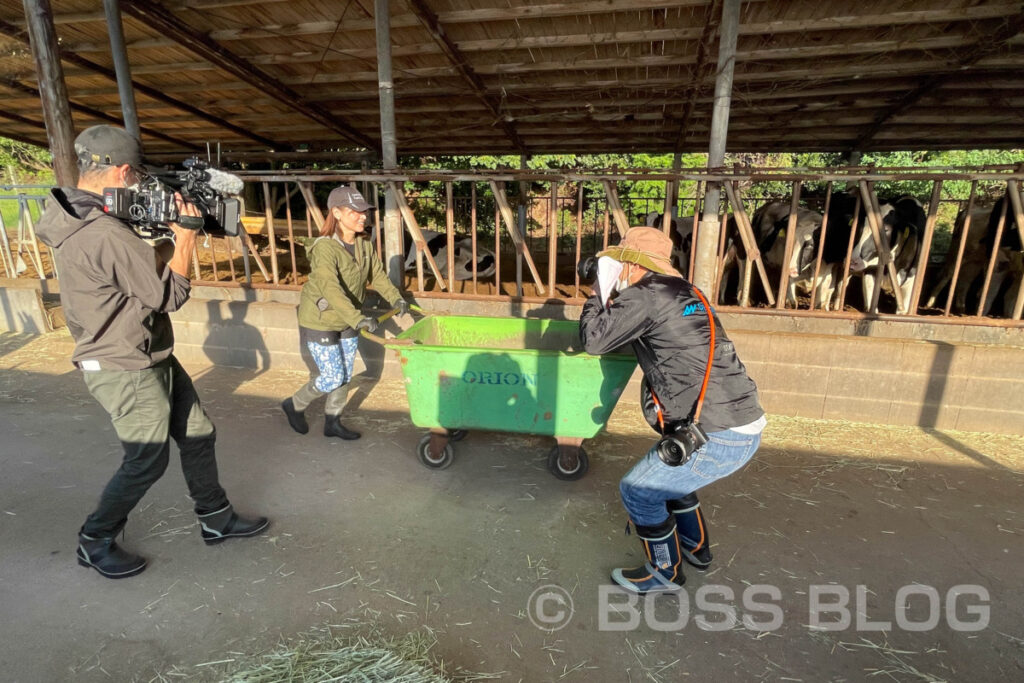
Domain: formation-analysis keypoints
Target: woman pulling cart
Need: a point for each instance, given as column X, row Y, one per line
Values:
column 341, row 264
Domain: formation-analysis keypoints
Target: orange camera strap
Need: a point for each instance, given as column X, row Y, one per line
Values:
column 707, row 370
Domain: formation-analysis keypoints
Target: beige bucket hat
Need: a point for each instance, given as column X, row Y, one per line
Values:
column 647, row 247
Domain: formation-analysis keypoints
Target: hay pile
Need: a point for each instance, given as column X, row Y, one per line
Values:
column 367, row 656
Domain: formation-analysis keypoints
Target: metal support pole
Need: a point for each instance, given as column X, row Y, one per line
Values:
column 60, row 130
column 706, row 247
column 389, row 153
column 119, row 53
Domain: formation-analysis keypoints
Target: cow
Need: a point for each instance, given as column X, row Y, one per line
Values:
column 981, row 237
column 803, row 258
column 681, row 234
column 903, row 226
column 437, row 245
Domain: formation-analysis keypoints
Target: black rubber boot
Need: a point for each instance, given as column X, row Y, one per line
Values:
column 108, row 558
column 333, row 427
column 220, row 525
column 663, row 571
column 294, row 407
column 332, row 418
column 693, row 531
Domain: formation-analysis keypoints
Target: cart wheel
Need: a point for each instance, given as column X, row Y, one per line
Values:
column 457, row 434
column 423, row 451
column 556, row 468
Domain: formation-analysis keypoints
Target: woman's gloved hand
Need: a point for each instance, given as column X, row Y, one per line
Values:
column 368, row 324
column 402, row 306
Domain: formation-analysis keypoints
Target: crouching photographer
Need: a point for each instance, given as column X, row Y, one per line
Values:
column 695, row 393
column 117, row 291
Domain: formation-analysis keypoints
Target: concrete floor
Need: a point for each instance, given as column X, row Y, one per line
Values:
column 362, row 532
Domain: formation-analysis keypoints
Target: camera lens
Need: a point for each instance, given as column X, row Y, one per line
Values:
column 671, row 451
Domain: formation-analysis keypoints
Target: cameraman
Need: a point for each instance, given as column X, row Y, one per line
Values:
column 116, row 292
column 661, row 315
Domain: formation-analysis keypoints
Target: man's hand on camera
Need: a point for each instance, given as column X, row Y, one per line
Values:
column 184, row 239
column 402, row 306
column 368, row 324
column 186, row 209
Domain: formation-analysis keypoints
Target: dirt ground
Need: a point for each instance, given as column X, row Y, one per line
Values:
column 362, row 532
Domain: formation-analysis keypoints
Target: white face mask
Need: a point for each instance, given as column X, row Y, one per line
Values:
column 624, row 276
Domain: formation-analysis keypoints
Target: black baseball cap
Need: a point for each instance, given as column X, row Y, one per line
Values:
column 109, row 146
column 349, row 196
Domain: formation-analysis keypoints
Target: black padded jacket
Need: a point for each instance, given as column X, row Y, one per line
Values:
column 666, row 324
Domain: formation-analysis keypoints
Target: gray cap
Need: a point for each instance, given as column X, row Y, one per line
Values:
column 109, row 146
column 349, row 196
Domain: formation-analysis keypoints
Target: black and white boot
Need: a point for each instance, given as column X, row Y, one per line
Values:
column 693, row 531
column 108, row 558
column 220, row 525
column 663, row 571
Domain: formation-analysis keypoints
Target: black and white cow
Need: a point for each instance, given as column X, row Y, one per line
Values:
column 981, row 237
column 681, row 234
column 803, row 258
column 437, row 245
column 903, row 226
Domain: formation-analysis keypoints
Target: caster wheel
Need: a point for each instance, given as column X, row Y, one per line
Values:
column 425, row 456
column 457, row 434
column 556, row 468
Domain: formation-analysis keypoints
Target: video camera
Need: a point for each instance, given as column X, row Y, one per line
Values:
column 149, row 206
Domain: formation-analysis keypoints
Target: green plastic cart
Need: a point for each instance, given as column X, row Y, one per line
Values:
column 528, row 376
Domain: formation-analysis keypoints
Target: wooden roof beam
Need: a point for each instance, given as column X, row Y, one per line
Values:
column 16, row 33
column 433, row 25
column 983, row 48
column 102, row 116
column 850, row 22
column 157, row 18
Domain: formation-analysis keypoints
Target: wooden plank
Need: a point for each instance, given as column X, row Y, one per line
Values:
column 414, row 230
column 268, row 207
column 874, row 219
column 992, row 259
column 794, row 207
column 449, row 223
column 925, row 248
column 306, row 189
column 821, row 246
column 747, row 236
column 291, row 236
column 498, row 188
column 615, row 207
column 553, row 237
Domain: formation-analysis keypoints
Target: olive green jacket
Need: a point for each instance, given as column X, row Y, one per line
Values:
column 332, row 297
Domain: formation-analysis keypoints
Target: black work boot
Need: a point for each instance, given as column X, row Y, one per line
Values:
column 220, row 525
column 294, row 407
column 333, row 427
column 108, row 558
column 693, row 531
column 332, row 415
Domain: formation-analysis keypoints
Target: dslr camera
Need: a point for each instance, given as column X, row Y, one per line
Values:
column 149, row 206
column 681, row 440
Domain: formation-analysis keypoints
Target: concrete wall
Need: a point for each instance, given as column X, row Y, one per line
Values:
column 22, row 308
column 947, row 376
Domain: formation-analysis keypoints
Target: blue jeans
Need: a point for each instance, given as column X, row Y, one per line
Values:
column 646, row 488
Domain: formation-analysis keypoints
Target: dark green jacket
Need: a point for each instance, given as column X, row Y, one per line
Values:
column 332, row 297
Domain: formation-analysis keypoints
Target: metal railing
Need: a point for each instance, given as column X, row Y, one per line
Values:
column 500, row 235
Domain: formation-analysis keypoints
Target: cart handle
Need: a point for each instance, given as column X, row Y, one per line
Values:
column 394, row 342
